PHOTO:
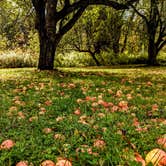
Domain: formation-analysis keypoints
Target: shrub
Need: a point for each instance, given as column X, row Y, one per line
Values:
column 108, row 58
column 125, row 58
column 18, row 58
column 162, row 57
column 3, row 42
column 73, row 59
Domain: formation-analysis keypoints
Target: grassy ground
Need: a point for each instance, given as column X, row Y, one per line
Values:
column 87, row 115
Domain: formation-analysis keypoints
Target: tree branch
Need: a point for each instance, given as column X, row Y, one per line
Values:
column 162, row 33
column 81, row 50
column 84, row 3
column 140, row 14
column 161, row 45
column 113, row 4
column 72, row 21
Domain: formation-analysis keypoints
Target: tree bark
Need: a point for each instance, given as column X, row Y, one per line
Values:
column 152, row 53
column 47, row 53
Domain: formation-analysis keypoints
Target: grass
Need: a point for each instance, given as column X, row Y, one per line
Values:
column 62, row 114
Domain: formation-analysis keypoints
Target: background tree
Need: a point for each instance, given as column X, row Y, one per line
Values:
column 155, row 20
column 127, row 28
column 15, row 22
column 54, row 18
column 98, row 30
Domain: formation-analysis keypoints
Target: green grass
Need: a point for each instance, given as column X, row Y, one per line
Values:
column 28, row 92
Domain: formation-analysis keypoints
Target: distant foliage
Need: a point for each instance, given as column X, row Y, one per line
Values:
column 106, row 58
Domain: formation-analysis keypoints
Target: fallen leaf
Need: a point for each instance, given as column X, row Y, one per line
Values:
column 123, row 105
column 33, row 118
column 47, row 130
column 99, row 143
column 154, row 107
column 77, row 111
column 139, row 158
column 59, row 118
column 48, row 102
column 119, row 93
column 59, row 136
column 149, row 83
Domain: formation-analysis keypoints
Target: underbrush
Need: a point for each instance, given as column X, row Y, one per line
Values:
column 75, row 59
column 17, row 58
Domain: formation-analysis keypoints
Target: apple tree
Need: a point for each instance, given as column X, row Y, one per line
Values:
column 54, row 18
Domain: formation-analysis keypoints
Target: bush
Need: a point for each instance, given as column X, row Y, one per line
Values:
column 3, row 42
column 73, row 59
column 108, row 58
column 18, row 58
column 162, row 57
column 127, row 58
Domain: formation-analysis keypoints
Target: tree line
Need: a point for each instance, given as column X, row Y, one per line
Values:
column 90, row 26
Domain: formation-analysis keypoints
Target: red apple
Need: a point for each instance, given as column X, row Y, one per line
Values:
column 22, row 163
column 63, row 162
column 156, row 156
column 47, row 163
column 7, row 144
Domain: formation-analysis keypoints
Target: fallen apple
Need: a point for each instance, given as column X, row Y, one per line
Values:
column 63, row 162
column 162, row 161
column 162, row 141
column 156, row 157
column 22, row 163
column 139, row 158
column 47, row 163
column 7, row 144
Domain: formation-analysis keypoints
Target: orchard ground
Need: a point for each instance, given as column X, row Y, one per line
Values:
column 90, row 116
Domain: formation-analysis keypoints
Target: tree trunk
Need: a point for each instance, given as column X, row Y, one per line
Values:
column 47, row 53
column 152, row 53
column 116, row 40
column 116, row 49
column 95, row 59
